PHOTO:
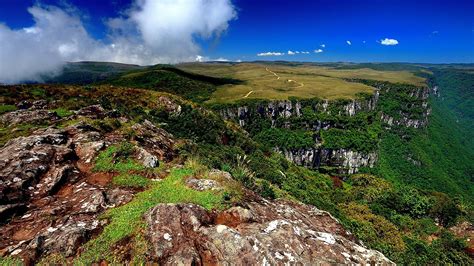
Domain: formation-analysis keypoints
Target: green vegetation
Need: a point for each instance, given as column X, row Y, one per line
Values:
column 4, row 108
column 284, row 138
column 62, row 112
column 10, row 261
column 126, row 221
column 116, row 158
column 128, row 180
column 438, row 157
column 89, row 72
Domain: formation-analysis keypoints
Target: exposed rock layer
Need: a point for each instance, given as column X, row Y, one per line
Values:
column 259, row 232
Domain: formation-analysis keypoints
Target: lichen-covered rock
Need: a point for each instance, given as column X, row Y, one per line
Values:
column 146, row 158
column 260, row 232
column 155, row 140
column 28, row 116
column 25, row 160
column 202, row 184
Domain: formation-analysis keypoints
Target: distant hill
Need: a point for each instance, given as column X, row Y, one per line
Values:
column 89, row 72
column 164, row 78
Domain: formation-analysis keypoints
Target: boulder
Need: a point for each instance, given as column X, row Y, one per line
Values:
column 154, row 140
column 258, row 233
column 202, row 184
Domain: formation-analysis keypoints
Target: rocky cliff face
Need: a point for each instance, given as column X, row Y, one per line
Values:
column 417, row 99
column 346, row 161
column 392, row 104
column 273, row 110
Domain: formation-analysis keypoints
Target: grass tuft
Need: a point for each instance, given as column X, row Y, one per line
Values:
column 128, row 180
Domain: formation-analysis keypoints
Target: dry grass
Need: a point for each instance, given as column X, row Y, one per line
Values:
column 305, row 81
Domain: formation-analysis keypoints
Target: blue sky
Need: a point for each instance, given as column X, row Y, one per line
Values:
column 426, row 31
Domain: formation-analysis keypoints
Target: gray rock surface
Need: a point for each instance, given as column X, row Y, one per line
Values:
column 258, row 233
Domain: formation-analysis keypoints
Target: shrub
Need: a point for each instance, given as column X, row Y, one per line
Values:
column 373, row 229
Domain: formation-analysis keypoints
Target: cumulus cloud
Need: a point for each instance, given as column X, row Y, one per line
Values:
column 323, row 45
column 388, row 41
column 270, row 54
column 152, row 31
column 305, row 52
column 349, row 42
column 317, row 51
column 291, row 52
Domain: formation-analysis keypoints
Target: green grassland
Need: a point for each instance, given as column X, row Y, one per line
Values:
column 279, row 82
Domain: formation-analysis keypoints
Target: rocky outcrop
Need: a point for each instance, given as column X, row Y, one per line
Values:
column 28, row 116
column 50, row 198
column 347, row 161
column 258, row 232
column 156, row 140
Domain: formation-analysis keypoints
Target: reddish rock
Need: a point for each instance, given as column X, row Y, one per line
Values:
column 154, row 140
column 258, row 233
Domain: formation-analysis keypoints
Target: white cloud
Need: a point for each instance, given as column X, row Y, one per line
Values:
column 388, row 41
column 270, row 54
column 363, row 41
column 349, row 42
column 291, row 52
column 200, row 58
column 305, row 52
column 140, row 36
column 317, row 51
column 323, row 45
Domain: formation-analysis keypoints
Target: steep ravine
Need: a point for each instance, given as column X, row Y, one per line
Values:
column 391, row 106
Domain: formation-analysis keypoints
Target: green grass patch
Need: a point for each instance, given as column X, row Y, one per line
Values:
column 115, row 158
column 4, row 108
column 126, row 221
column 9, row 261
column 63, row 112
column 134, row 181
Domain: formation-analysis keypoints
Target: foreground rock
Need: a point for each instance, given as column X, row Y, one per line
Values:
column 50, row 199
column 259, row 232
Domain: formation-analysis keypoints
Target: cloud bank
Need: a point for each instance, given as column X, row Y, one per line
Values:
column 270, row 54
column 388, row 41
column 152, row 31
